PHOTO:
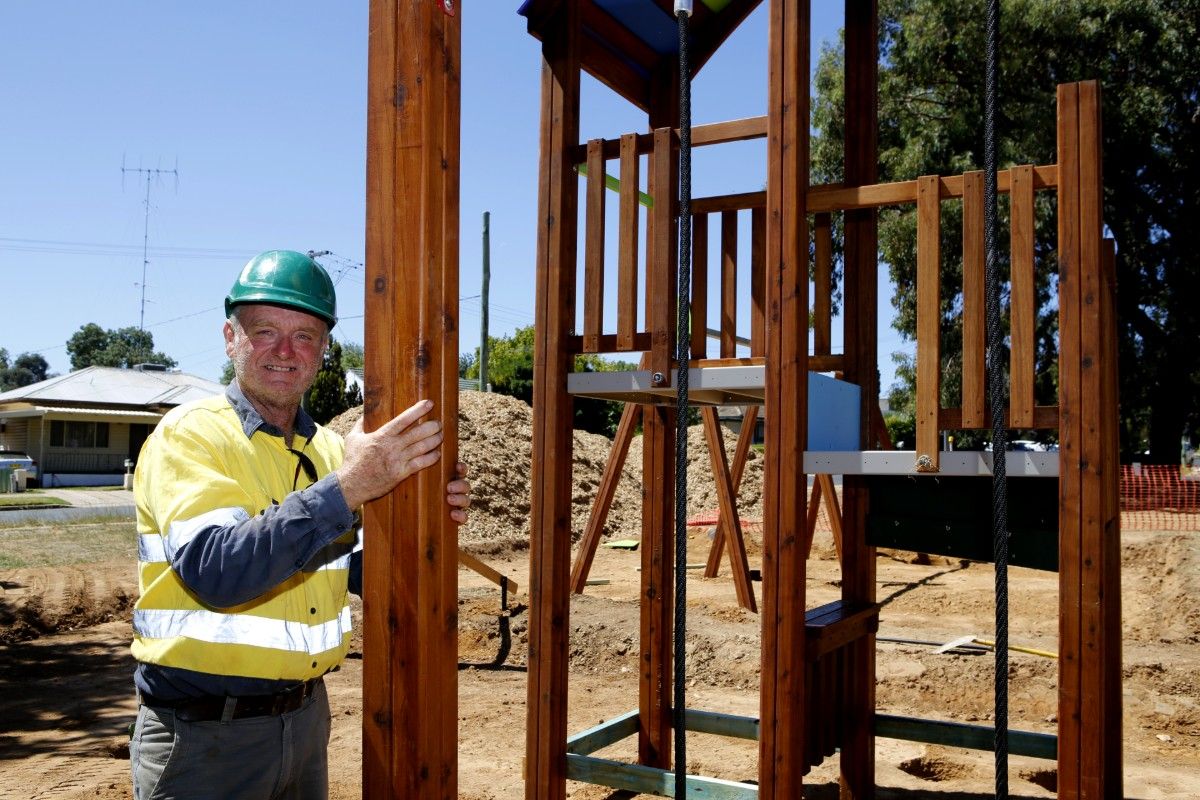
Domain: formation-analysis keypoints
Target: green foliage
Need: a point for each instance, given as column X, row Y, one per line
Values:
column 328, row 397
column 25, row 369
column 352, row 355
column 930, row 107
column 510, row 371
column 92, row 345
column 227, row 373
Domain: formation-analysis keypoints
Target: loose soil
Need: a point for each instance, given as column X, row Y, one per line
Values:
column 65, row 666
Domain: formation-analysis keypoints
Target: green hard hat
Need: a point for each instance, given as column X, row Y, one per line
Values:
column 285, row 278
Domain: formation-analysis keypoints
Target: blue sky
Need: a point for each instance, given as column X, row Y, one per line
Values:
column 261, row 108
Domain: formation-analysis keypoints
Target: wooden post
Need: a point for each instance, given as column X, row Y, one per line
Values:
column 729, row 526
column 861, row 348
column 410, row 734
column 782, row 702
column 550, row 508
column 1089, row 727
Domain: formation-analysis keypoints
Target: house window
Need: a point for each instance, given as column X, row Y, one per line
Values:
column 93, row 435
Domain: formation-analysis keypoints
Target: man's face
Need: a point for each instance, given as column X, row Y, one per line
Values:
column 275, row 352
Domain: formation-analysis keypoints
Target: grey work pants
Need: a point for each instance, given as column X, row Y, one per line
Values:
column 257, row 758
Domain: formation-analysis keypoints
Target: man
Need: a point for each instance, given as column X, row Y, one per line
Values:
column 247, row 547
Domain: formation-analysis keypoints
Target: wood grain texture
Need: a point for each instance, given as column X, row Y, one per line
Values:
column 729, row 268
column 627, row 258
column 593, row 252
column 699, row 285
column 1022, row 313
column 729, row 526
column 822, row 283
column 736, row 470
column 974, row 317
column 929, row 318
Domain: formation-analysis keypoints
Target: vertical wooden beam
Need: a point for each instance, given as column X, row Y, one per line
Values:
column 782, row 700
column 593, row 254
column 657, row 586
column 1110, row 545
column 729, row 525
column 627, row 258
column 1070, row 449
column 1022, row 311
column 410, row 722
column 1100, row 663
column 822, row 282
column 973, row 318
column 655, row 692
column 860, row 304
column 550, row 508
column 699, row 285
column 929, row 318
column 729, row 243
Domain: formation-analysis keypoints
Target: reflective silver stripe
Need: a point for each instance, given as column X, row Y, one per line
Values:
column 338, row 563
column 183, row 531
column 152, row 549
column 211, row 626
column 358, row 540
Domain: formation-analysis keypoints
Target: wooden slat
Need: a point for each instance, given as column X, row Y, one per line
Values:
column 929, row 318
column 729, row 525
column 609, row 343
column 839, row 197
column 661, row 278
column 728, row 202
column 822, row 283
column 974, row 318
column 481, row 567
column 740, row 455
column 413, row 231
column 699, row 285
column 729, row 242
column 758, row 266
column 1044, row 418
column 1070, row 449
column 734, row 130
column 1022, row 313
column 627, row 253
column 550, row 479
column 626, row 428
column 593, row 249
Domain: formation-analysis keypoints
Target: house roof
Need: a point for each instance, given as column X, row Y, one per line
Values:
column 113, row 386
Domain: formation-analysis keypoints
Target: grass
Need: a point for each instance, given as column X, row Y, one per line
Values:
column 59, row 544
column 26, row 499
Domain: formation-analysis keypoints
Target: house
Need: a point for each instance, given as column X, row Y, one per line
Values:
column 81, row 428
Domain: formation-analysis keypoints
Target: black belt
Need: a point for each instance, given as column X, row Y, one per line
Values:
column 210, row 708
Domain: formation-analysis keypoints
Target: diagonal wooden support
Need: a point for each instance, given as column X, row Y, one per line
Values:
column 729, row 526
column 410, row 570
column 737, row 470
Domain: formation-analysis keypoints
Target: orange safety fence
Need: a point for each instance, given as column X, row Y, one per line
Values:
column 1159, row 498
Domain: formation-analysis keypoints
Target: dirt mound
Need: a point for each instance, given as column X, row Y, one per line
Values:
column 495, row 439
column 38, row 602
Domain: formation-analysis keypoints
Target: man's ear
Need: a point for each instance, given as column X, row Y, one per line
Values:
column 228, row 332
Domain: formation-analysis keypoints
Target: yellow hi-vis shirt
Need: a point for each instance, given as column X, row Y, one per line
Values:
column 242, row 559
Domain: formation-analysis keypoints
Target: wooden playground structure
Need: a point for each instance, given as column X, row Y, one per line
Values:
column 817, row 694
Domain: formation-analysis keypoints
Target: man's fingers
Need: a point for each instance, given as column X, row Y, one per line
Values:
column 405, row 418
column 461, row 470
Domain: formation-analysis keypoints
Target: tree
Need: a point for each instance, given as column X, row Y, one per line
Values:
column 227, row 373
column 92, row 345
column 25, row 369
column 352, row 355
column 931, row 95
column 328, row 396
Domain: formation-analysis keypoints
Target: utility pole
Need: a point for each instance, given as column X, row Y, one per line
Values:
column 483, row 301
column 146, row 230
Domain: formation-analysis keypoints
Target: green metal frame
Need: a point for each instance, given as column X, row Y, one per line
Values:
column 583, row 766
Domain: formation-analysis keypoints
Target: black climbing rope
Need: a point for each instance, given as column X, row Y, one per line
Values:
column 683, row 10
column 997, row 396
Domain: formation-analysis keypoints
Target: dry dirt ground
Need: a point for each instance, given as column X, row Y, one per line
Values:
column 67, row 693
column 65, row 670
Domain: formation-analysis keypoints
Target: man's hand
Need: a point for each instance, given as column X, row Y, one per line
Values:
column 375, row 462
column 458, row 494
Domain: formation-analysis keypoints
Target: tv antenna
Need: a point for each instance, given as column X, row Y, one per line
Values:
column 149, row 173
